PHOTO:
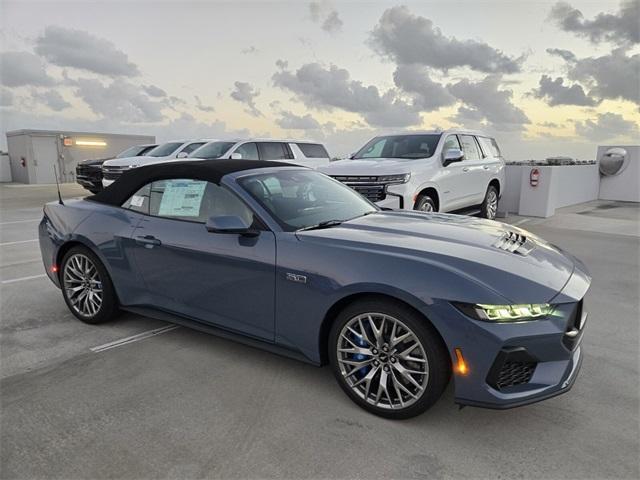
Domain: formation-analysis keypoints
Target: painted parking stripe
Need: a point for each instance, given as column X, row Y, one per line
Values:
column 520, row 222
column 22, row 279
column 133, row 338
column 20, row 221
column 18, row 242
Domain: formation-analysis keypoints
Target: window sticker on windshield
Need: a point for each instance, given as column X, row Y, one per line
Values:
column 137, row 201
column 182, row 198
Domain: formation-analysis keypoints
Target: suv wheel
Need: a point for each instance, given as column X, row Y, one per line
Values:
column 425, row 203
column 489, row 206
column 388, row 359
column 86, row 286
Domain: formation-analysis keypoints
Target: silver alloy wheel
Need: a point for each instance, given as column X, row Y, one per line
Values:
column 382, row 360
column 82, row 285
column 426, row 207
column 492, row 204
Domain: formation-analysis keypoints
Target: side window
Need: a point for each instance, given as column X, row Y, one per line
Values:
column 450, row 143
column 139, row 201
column 249, row 151
column 495, row 148
column 273, row 151
column 470, row 147
column 191, row 147
column 313, row 150
column 194, row 200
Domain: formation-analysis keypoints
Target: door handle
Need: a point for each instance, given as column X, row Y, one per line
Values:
column 149, row 241
column 465, row 169
column 486, row 167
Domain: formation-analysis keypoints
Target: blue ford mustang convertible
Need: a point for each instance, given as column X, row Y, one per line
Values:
column 288, row 259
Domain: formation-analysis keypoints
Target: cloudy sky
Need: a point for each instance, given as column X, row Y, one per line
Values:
column 546, row 78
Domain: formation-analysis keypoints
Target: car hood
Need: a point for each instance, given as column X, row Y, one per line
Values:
column 464, row 245
column 137, row 161
column 94, row 161
column 379, row 166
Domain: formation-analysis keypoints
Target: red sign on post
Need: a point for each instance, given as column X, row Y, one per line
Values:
column 534, row 177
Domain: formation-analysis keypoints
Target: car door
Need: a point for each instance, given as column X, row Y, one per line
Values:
column 492, row 162
column 473, row 172
column 249, row 151
column 452, row 179
column 223, row 279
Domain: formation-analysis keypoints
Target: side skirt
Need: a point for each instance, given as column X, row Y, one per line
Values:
column 220, row 332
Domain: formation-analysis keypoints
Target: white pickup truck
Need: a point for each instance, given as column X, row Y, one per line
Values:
column 443, row 171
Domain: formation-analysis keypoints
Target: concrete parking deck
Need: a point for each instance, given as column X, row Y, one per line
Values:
column 176, row 403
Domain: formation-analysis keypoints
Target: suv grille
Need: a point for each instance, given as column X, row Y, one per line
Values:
column 367, row 186
column 515, row 243
column 515, row 373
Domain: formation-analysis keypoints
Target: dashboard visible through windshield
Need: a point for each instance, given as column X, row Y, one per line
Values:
column 305, row 199
column 400, row 146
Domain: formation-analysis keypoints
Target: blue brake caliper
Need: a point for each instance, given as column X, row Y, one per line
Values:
column 358, row 357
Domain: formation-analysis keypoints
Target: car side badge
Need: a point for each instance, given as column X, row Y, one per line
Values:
column 294, row 277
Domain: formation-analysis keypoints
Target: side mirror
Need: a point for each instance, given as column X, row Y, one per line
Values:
column 452, row 155
column 230, row 224
column 351, row 156
column 182, row 155
column 236, row 156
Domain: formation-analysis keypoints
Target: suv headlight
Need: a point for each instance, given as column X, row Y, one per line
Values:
column 394, row 179
column 505, row 313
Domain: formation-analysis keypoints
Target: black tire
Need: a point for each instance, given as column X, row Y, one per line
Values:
column 438, row 364
column 108, row 308
column 425, row 203
column 489, row 206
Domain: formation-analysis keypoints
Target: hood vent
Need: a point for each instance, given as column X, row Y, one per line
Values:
column 515, row 243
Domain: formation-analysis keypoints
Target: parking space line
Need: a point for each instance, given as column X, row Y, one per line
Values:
column 14, row 280
column 133, row 338
column 520, row 222
column 20, row 221
column 18, row 242
column 21, row 279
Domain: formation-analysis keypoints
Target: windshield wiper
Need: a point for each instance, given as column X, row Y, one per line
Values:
column 325, row 224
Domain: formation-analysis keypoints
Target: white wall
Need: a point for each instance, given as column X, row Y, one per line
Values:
column 5, row 168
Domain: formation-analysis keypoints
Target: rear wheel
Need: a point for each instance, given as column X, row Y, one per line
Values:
column 86, row 286
column 425, row 203
column 388, row 359
column 489, row 206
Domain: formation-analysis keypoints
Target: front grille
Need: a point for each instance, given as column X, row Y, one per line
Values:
column 512, row 366
column 515, row 243
column 89, row 172
column 367, row 186
column 515, row 373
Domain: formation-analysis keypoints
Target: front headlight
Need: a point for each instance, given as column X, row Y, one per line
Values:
column 506, row 313
column 394, row 179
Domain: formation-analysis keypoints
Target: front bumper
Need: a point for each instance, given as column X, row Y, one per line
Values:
column 513, row 364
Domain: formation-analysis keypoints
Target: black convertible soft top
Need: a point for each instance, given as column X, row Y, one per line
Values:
column 209, row 170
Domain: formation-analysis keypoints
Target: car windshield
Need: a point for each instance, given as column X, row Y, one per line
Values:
column 400, row 146
column 131, row 151
column 212, row 150
column 164, row 149
column 301, row 199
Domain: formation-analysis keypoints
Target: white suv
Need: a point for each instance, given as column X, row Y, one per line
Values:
column 112, row 169
column 301, row 152
column 428, row 171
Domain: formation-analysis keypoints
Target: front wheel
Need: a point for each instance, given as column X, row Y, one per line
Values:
column 424, row 203
column 86, row 286
column 489, row 206
column 388, row 359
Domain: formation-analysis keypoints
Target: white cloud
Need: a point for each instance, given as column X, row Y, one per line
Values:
column 291, row 121
column 427, row 94
column 326, row 16
column 555, row 92
column 622, row 27
column 244, row 92
column 411, row 39
column 52, row 99
column 79, row 49
column 328, row 88
column 608, row 126
column 23, row 68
